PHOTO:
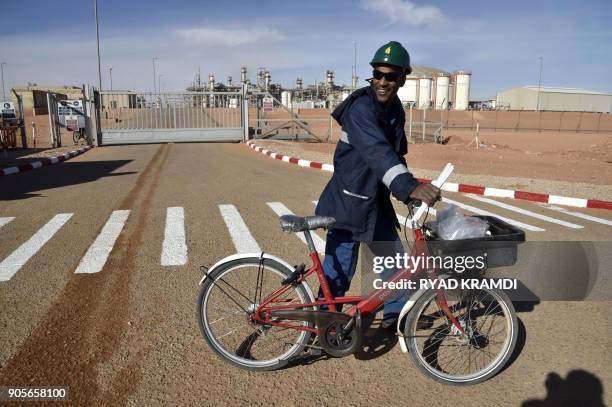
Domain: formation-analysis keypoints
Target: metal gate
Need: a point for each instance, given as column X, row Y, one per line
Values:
column 130, row 117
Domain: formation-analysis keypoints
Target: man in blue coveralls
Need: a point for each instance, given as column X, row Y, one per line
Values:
column 369, row 164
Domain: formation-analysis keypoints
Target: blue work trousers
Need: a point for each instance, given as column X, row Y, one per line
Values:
column 341, row 253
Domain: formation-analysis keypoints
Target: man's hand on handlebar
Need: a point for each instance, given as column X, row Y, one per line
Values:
column 426, row 193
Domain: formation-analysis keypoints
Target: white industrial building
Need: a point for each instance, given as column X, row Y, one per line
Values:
column 432, row 88
column 554, row 99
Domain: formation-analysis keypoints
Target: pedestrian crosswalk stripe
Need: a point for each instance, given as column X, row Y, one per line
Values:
column 579, row 215
column 19, row 257
column 95, row 258
column 281, row 210
column 483, row 212
column 174, row 247
column 524, row 211
column 239, row 232
column 5, row 220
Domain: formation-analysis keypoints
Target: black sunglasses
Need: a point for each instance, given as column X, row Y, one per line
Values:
column 389, row 76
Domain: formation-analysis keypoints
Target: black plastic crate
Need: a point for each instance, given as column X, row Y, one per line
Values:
column 500, row 248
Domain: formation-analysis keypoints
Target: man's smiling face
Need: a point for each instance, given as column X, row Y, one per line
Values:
column 384, row 88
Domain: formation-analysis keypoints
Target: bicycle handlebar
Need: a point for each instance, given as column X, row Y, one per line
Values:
column 438, row 182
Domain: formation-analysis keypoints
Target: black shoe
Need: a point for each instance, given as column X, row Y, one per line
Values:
column 390, row 322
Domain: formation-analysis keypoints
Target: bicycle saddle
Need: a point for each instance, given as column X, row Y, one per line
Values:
column 293, row 223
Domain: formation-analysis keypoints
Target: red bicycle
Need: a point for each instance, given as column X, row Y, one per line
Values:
column 258, row 312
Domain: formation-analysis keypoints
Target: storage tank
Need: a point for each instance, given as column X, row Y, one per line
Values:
column 424, row 93
column 408, row 92
column 286, row 99
column 461, row 89
column 243, row 74
column 441, row 84
column 211, row 82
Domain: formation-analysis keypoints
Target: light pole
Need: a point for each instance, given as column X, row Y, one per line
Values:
column 540, row 82
column 154, row 75
column 110, row 73
column 354, row 66
column 3, row 92
column 98, row 44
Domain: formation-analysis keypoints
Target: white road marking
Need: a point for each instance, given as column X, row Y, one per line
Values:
column 281, row 210
column 242, row 238
column 19, row 257
column 524, row 211
column 174, row 248
column 483, row 212
column 579, row 215
column 95, row 258
column 4, row 221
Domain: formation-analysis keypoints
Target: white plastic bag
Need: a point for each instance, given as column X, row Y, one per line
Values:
column 453, row 225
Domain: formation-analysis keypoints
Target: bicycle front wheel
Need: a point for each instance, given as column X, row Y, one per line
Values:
column 438, row 348
column 229, row 295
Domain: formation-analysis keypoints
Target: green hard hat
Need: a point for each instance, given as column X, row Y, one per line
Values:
column 392, row 53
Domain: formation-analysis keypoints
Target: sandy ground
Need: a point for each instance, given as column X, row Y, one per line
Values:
column 128, row 335
column 578, row 165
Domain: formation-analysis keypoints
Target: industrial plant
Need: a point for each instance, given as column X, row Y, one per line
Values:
column 425, row 88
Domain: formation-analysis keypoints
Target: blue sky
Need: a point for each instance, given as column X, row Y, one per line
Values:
column 53, row 42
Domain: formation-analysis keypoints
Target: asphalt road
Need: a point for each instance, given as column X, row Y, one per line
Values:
column 128, row 333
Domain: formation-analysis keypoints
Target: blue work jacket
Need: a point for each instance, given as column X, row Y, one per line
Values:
column 368, row 164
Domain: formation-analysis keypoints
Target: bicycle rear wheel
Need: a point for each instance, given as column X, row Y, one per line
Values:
column 443, row 353
column 227, row 298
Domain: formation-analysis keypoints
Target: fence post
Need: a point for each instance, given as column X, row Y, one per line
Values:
column 91, row 111
column 52, row 129
column 598, row 121
column 245, row 112
column 22, row 125
column 410, row 124
column 34, row 134
column 330, row 137
column 424, row 115
column 496, row 111
column 472, row 124
column 174, row 115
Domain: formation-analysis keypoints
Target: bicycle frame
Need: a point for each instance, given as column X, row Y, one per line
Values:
column 366, row 305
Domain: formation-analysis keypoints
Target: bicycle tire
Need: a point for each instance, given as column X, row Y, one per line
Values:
column 219, row 280
column 419, row 322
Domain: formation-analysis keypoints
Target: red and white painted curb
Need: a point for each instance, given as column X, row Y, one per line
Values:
column 43, row 162
column 454, row 187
